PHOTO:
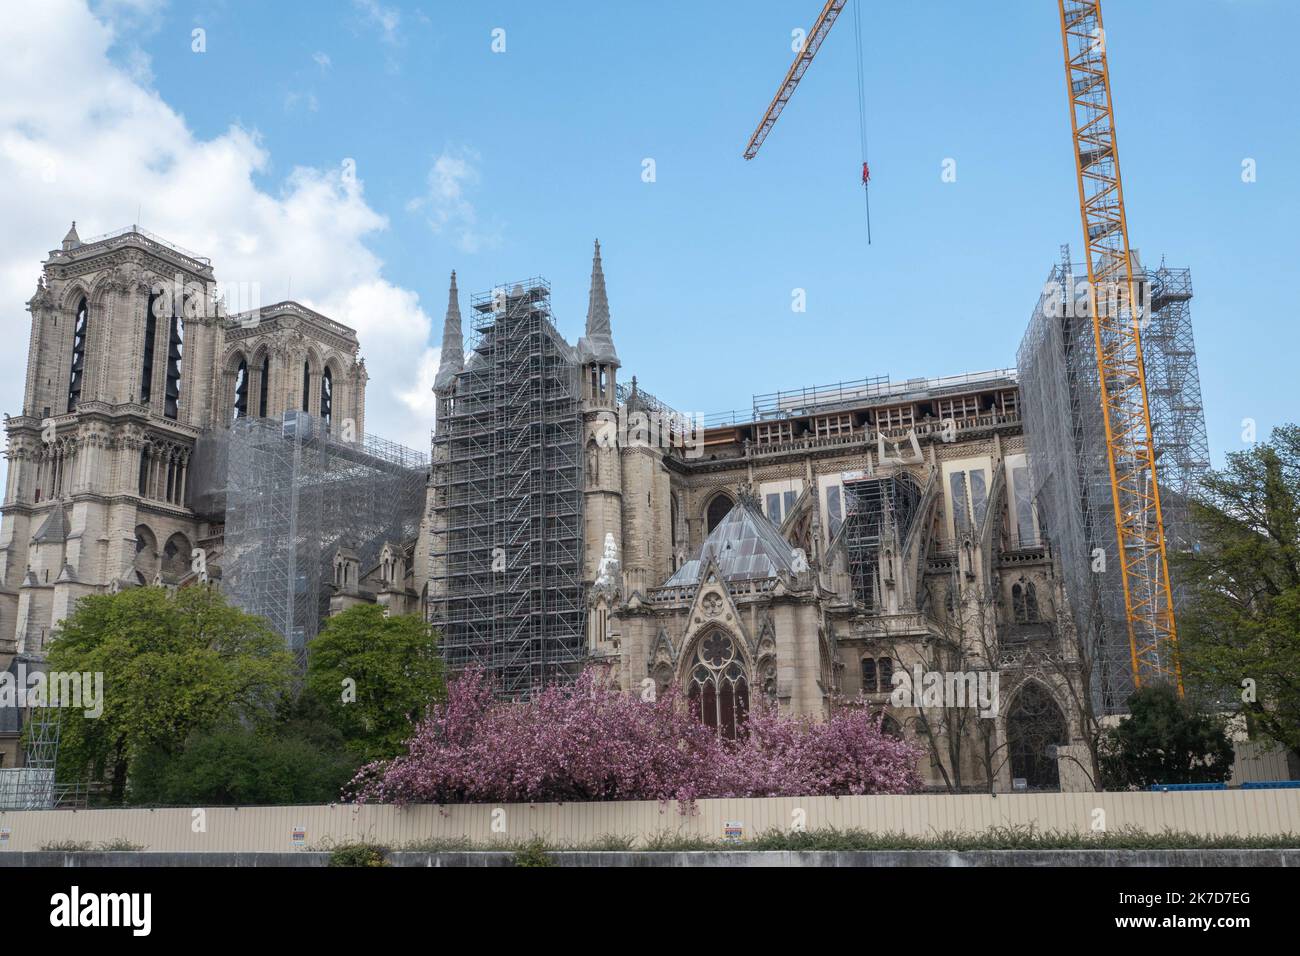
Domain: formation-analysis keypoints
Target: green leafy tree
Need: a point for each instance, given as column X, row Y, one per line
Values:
column 375, row 676
column 241, row 766
column 1240, row 631
column 172, row 663
column 1164, row 739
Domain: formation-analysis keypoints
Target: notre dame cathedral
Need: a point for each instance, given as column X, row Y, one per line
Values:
column 803, row 552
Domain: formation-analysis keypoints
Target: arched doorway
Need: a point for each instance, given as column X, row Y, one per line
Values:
column 1035, row 725
column 717, row 684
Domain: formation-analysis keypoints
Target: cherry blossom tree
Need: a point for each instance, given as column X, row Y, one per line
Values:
column 591, row 741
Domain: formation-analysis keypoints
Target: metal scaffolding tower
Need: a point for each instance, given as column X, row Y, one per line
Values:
column 878, row 513
column 295, row 494
column 507, row 584
column 1066, row 440
column 33, row 785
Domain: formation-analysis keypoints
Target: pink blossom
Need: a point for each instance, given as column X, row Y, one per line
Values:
column 590, row 741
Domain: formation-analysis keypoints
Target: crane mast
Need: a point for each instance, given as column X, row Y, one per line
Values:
column 1117, row 316
column 1117, row 333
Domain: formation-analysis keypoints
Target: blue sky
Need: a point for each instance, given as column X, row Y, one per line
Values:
column 506, row 165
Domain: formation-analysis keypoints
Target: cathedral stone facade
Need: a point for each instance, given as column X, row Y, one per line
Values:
column 132, row 360
column 805, row 553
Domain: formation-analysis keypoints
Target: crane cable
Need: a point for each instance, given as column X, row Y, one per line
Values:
column 862, row 115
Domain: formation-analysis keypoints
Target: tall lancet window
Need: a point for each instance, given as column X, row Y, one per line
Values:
column 264, row 400
column 306, row 386
column 146, row 363
column 175, row 350
column 326, row 396
column 77, row 376
column 241, row 390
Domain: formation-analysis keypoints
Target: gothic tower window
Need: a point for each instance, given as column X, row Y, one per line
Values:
column 175, row 347
column 264, row 399
column 306, row 386
column 718, row 688
column 241, row 390
column 78, row 355
column 146, row 363
column 326, row 396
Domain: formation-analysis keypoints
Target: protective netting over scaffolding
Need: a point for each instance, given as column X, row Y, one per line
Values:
column 295, row 494
column 507, row 548
column 1066, row 440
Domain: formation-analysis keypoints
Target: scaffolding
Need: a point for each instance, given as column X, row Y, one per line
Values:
column 507, row 586
column 878, row 514
column 296, row 494
column 31, row 786
column 1066, row 440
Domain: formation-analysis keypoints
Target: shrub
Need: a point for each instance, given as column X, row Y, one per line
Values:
column 359, row 854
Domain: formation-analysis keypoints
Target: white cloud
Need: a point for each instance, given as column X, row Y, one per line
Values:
column 293, row 99
column 322, row 60
column 386, row 19
column 81, row 139
column 446, row 205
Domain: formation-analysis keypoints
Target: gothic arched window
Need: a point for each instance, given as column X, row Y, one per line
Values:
column 175, row 350
column 263, row 400
column 326, row 396
column 717, row 686
column 176, row 558
column 1035, row 728
column 1018, row 603
column 77, row 375
column 306, row 386
column 719, row 508
column 885, row 667
column 241, row 390
column 1031, row 603
column 146, row 359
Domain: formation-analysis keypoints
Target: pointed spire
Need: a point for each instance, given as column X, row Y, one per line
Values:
column 598, row 344
column 71, row 240
column 452, row 361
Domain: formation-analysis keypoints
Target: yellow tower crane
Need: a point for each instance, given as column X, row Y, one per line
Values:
column 1117, row 327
